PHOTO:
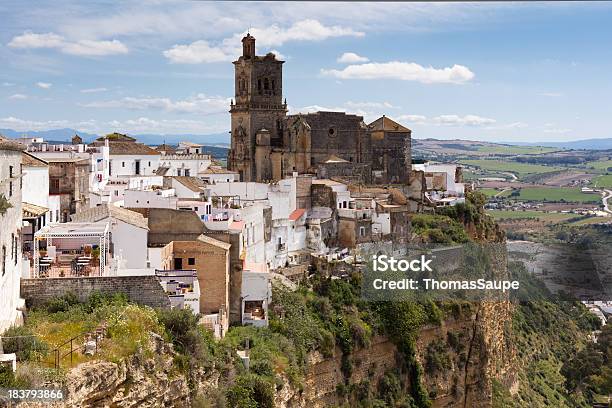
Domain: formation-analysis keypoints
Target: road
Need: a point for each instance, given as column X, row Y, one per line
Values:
column 606, row 195
column 514, row 178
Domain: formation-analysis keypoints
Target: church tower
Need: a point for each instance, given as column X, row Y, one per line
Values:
column 258, row 113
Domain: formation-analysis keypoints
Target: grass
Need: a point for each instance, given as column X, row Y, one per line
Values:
column 502, row 149
column 557, row 194
column 510, row 166
column 599, row 164
column 602, row 181
column 492, row 192
column 531, row 215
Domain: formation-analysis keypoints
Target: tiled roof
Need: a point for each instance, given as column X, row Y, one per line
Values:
column 217, row 170
column 165, row 148
column 215, row 242
column 29, row 160
column 109, row 210
column 388, row 125
column 190, row 144
column 162, row 171
column 237, row 225
column 129, row 148
column 8, row 144
column 192, row 183
column 295, row 215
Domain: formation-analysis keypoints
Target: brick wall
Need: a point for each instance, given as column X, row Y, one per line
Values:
column 144, row 290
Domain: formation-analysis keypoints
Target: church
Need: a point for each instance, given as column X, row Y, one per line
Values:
column 267, row 144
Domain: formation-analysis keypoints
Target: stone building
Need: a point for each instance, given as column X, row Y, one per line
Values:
column 69, row 180
column 211, row 259
column 10, row 231
column 267, row 144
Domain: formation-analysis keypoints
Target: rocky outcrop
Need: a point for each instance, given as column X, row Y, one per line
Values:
column 147, row 379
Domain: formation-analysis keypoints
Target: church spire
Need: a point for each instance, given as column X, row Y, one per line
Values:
column 248, row 46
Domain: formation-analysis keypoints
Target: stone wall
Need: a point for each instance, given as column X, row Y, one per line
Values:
column 144, row 290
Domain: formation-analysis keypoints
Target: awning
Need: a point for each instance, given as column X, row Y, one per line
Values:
column 31, row 211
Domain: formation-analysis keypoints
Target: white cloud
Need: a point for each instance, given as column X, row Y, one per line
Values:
column 95, row 48
column 44, row 85
column 467, row 120
column 407, row 71
column 29, row 40
column 351, row 58
column 278, row 55
column 33, row 40
column 18, row 96
column 369, row 105
column 198, row 52
column 93, row 90
column 202, row 51
column 418, row 119
column 199, row 103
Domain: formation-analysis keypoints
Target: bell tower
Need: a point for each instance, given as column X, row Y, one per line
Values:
column 258, row 109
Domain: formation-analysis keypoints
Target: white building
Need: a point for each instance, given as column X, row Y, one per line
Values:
column 217, row 174
column 128, row 231
column 183, row 164
column 150, row 198
column 127, row 157
column 442, row 178
column 189, row 148
column 11, row 262
column 255, row 298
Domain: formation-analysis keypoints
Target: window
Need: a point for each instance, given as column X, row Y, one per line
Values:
column 12, row 246
column 178, row 172
column 190, row 261
column 266, row 84
column 122, row 164
column 195, row 208
column 11, row 171
column 149, row 164
column 3, row 260
column 186, row 172
column 16, row 250
column 362, row 231
column 55, row 185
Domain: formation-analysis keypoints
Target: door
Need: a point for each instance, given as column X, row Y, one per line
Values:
column 178, row 263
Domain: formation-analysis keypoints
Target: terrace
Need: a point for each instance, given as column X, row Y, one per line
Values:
column 71, row 249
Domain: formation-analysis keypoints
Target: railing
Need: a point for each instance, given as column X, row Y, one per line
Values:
column 86, row 342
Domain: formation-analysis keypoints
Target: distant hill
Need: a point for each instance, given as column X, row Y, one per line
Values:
column 60, row 135
column 585, row 144
column 64, row 135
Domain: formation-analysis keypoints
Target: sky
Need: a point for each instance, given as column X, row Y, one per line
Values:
column 482, row 71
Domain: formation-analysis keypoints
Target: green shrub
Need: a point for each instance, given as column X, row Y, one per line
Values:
column 24, row 344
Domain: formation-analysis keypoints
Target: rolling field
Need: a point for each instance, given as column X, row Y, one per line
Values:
column 491, row 192
column 501, row 149
column 602, row 181
column 513, row 167
column 601, row 165
column 567, row 194
column 542, row 216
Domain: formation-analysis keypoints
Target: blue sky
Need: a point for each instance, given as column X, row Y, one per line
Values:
column 483, row 71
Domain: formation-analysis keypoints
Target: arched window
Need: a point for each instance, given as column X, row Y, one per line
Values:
column 266, row 84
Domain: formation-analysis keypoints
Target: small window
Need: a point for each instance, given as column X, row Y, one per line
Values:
column 122, row 164
column 191, row 261
column 149, row 164
column 362, row 231
column 3, row 260
column 195, row 208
